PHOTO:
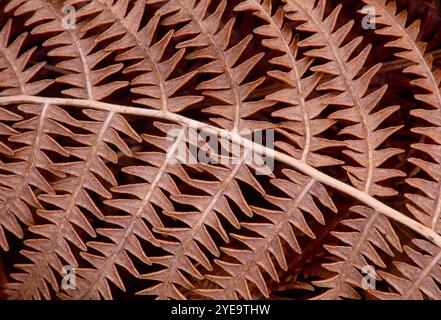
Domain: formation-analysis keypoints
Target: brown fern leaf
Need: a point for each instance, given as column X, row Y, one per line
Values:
column 160, row 192
column 6, row 129
column 300, row 115
column 22, row 165
column 211, row 40
column 326, row 43
column 418, row 279
column 353, row 94
column 75, row 50
column 299, row 121
column 136, row 44
column 426, row 208
column 24, row 180
column 71, row 199
column 14, row 66
column 371, row 232
column 209, row 208
column 138, row 220
column 256, row 258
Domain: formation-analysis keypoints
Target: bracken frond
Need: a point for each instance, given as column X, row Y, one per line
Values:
column 234, row 149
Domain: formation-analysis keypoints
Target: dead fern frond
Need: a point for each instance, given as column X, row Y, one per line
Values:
column 181, row 149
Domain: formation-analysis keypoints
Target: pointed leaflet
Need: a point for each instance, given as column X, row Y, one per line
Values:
column 427, row 207
column 211, row 208
column 366, row 229
column 157, row 176
column 418, row 278
column 21, row 166
column 73, row 201
column 267, row 246
column 210, row 39
column 326, row 42
column 78, row 61
column 137, row 47
column 270, row 234
column 300, row 125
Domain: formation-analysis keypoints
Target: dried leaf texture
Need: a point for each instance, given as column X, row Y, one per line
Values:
column 425, row 208
column 127, row 149
column 299, row 121
column 365, row 238
column 83, row 176
column 137, row 43
column 420, row 277
column 269, row 238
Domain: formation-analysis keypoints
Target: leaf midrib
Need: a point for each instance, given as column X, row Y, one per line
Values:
column 245, row 143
